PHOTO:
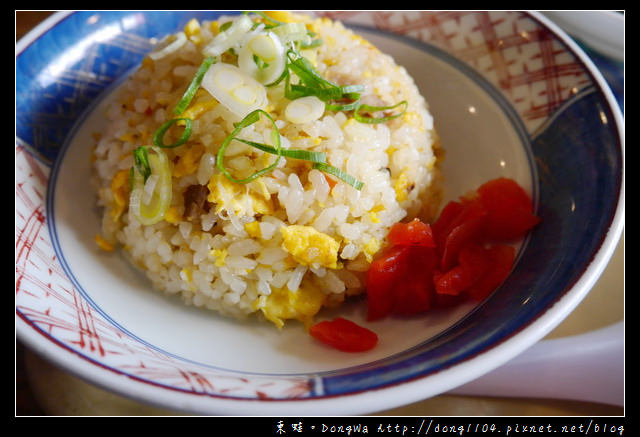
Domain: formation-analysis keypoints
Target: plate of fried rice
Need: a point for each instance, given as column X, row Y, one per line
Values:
column 198, row 192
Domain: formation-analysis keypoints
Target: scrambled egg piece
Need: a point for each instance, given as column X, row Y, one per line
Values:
column 192, row 31
column 103, row 244
column 371, row 248
column 373, row 213
column 402, row 187
column 120, row 191
column 195, row 110
column 239, row 198
column 172, row 215
column 283, row 304
column 219, row 255
column 414, row 119
column 253, row 229
column 309, row 246
column 186, row 276
column 127, row 136
column 188, row 161
column 284, row 16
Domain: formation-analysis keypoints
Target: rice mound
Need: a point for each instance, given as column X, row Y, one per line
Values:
column 292, row 241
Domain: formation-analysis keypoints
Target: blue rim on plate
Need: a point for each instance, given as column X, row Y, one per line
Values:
column 54, row 62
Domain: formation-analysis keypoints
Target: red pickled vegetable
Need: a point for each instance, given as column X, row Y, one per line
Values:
column 500, row 260
column 467, row 227
column 414, row 233
column 509, row 209
column 461, row 255
column 414, row 293
column 452, row 282
column 384, row 273
column 344, row 335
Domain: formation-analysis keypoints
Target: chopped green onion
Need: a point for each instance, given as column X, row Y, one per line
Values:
column 141, row 162
column 305, row 155
column 349, row 106
column 224, row 26
column 304, row 110
column 250, row 119
column 284, row 29
column 150, row 203
column 237, row 90
column 230, row 37
column 179, row 41
column 259, row 62
column 292, row 33
column 353, row 91
column 265, row 17
column 193, row 87
column 347, row 178
column 313, row 84
column 285, row 74
column 317, row 158
column 263, row 57
column 311, row 44
column 336, row 97
column 295, row 91
column 158, row 137
column 308, row 75
column 371, row 120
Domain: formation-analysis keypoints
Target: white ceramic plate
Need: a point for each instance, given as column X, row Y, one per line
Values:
column 602, row 31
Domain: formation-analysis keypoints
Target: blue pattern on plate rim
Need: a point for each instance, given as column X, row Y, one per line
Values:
column 53, row 91
column 46, row 123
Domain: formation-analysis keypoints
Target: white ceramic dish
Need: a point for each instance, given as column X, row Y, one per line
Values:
column 601, row 30
column 90, row 313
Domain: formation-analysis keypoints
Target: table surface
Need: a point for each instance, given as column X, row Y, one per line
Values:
column 43, row 389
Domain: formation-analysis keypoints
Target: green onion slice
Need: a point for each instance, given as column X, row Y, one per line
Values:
column 347, row 106
column 351, row 90
column 308, row 75
column 317, row 158
column 158, row 137
column 305, row 155
column 372, row 120
column 273, row 21
column 141, row 162
column 224, row 26
column 284, row 30
column 311, row 44
column 259, row 62
column 285, row 74
column 293, row 33
column 150, row 208
column 336, row 97
column 323, row 92
column 347, row 178
column 250, row 119
column 296, row 33
column 193, row 86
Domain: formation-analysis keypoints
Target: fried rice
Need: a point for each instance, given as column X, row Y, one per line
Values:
column 296, row 239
